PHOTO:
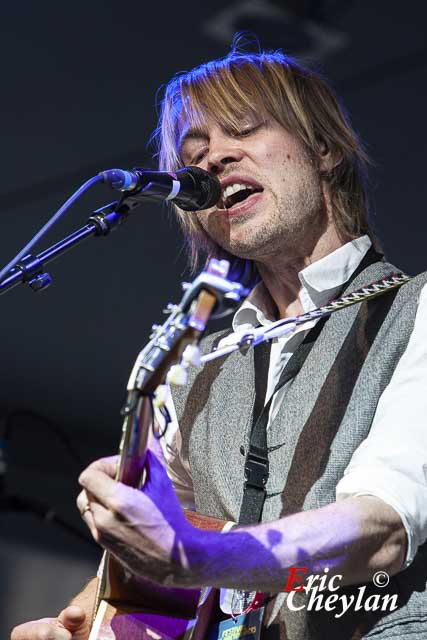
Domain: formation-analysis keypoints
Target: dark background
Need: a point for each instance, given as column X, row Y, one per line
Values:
column 79, row 84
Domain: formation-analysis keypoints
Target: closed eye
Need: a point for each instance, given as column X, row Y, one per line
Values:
column 199, row 155
column 247, row 131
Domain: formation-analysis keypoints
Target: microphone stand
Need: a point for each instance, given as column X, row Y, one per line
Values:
column 31, row 269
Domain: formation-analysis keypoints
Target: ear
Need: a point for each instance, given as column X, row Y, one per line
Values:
column 327, row 159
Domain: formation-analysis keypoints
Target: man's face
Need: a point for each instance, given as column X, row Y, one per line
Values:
column 277, row 204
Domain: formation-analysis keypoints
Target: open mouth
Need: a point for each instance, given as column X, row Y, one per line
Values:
column 236, row 193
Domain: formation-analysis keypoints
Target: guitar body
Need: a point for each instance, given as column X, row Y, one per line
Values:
column 133, row 609
column 121, row 622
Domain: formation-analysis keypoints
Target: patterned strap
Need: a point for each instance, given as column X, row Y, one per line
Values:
column 377, row 288
column 255, row 337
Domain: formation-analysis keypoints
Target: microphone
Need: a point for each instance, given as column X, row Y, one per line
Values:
column 191, row 188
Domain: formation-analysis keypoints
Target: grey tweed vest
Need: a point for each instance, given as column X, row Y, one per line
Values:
column 327, row 412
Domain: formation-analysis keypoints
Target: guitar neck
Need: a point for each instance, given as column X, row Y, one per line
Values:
column 115, row 583
column 167, row 346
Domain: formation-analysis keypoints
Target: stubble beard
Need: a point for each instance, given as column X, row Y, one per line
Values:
column 292, row 227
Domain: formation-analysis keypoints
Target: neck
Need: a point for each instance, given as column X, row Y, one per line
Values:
column 279, row 272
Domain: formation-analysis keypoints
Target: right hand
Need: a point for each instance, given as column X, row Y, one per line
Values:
column 71, row 624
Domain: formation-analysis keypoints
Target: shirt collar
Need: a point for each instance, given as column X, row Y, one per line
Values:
column 321, row 281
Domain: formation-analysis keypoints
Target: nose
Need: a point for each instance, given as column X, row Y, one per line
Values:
column 223, row 150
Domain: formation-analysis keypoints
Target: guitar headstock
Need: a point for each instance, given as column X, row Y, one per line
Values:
column 184, row 326
column 173, row 346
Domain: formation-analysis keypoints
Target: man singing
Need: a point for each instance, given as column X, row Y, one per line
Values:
column 345, row 455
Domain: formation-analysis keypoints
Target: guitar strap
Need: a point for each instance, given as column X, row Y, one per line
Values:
column 257, row 465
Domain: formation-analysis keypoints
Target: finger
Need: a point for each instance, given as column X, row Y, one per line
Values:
column 99, row 484
column 92, row 528
column 157, row 449
column 94, row 518
column 72, row 617
column 85, row 503
column 82, row 501
column 106, row 465
column 159, row 489
column 157, row 479
column 40, row 630
column 103, row 525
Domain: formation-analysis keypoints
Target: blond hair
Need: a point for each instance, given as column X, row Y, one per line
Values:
column 244, row 84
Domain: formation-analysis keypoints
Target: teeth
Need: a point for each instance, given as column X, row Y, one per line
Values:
column 234, row 188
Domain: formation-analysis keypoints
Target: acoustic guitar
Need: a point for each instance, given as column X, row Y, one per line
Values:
column 127, row 607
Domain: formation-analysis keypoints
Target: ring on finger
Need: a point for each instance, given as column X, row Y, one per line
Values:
column 85, row 510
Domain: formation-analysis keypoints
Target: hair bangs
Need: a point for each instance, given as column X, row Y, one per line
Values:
column 253, row 85
column 224, row 93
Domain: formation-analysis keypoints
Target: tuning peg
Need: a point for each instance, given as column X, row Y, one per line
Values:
column 192, row 355
column 177, row 375
column 154, row 329
column 232, row 295
column 169, row 308
column 161, row 395
column 218, row 267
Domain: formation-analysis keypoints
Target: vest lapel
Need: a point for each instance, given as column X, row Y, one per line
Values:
column 301, row 434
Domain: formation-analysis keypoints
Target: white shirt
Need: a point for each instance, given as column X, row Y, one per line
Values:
column 391, row 463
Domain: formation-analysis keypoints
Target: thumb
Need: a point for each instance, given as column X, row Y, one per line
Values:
column 72, row 618
column 155, row 446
